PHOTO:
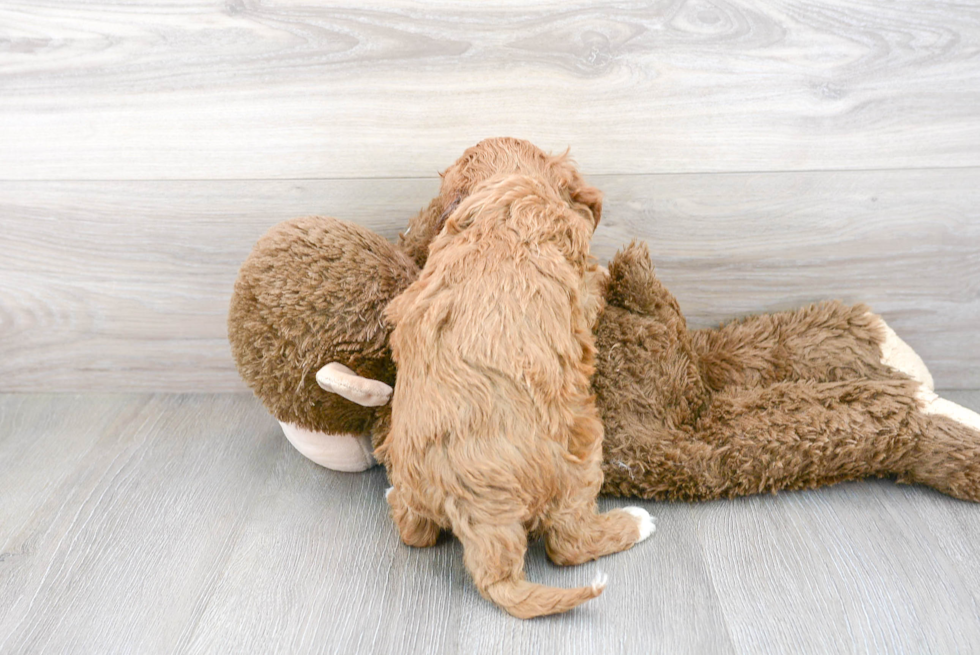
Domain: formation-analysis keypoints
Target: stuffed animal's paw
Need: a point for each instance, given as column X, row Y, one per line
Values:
column 899, row 355
column 933, row 404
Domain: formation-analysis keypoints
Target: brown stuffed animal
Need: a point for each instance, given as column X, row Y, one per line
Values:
column 791, row 400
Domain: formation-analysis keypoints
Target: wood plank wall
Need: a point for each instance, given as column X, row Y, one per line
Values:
column 772, row 153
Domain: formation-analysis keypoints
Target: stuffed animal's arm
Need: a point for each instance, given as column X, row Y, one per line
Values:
column 632, row 284
column 337, row 378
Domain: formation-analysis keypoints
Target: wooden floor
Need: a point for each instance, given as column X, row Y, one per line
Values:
column 186, row 523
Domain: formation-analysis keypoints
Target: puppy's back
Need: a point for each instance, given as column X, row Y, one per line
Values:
column 493, row 332
column 492, row 401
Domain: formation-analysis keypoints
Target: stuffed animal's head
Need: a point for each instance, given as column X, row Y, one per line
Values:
column 306, row 325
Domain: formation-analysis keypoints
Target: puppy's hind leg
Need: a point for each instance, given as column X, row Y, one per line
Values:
column 578, row 533
column 493, row 553
column 414, row 530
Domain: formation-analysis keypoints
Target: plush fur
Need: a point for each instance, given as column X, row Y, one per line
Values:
column 791, row 400
column 312, row 292
column 494, row 430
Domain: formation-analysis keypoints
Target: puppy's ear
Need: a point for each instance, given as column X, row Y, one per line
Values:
column 584, row 198
column 447, row 212
column 587, row 198
column 464, row 213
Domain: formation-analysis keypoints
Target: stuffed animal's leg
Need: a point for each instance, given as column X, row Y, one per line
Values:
column 789, row 435
column 825, row 342
column 947, row 456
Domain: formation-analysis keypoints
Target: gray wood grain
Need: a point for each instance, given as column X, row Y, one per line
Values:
column 148, row 524
column 122, row 555
column 124, row 286
column 243, row 89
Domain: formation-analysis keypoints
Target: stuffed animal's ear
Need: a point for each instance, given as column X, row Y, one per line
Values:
column 337, row 378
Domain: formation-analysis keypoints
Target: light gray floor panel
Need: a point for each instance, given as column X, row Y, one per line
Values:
column 166, row 523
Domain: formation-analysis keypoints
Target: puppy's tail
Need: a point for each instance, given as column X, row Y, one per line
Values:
column 526, row 600
column 494, row 555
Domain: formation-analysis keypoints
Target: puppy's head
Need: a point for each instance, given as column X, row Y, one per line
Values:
column 492, row 158
column 520, row 209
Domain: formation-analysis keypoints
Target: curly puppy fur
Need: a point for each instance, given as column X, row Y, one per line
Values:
column 494, row 431
column 791, row 400
column 489, row 158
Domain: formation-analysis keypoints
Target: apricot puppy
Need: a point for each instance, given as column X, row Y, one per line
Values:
column 494, row 430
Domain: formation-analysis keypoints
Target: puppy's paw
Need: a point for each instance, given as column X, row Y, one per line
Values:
column 644, row 521
column 388, row 492
column 599, row 583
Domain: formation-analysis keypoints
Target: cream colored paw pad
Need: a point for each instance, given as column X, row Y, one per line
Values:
column 933, row 404
column 899, row 355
